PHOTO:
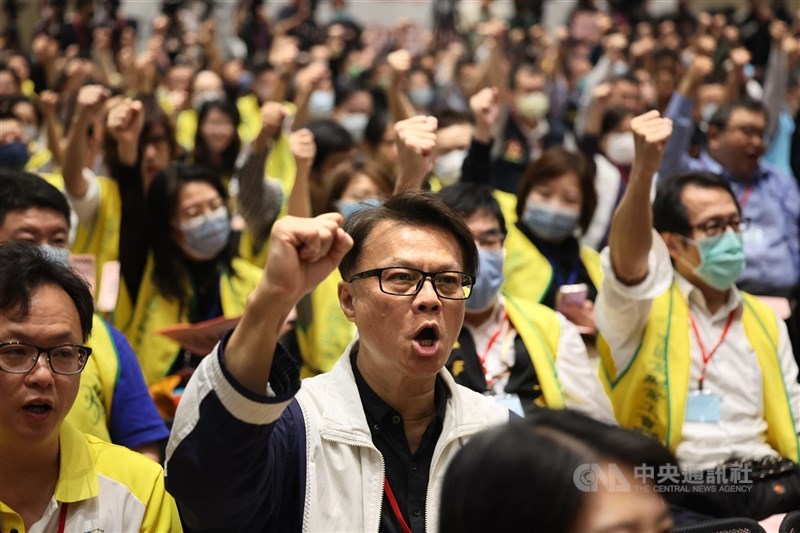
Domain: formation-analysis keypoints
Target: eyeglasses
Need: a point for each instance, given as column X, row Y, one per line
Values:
column 748, row 131
column 21, row 358
column 717, row 226
column 404, row 281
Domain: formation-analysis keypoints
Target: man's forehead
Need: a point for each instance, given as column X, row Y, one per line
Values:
column 382, row 240
column 703, row 202
column 41, row 217
column 746, row 116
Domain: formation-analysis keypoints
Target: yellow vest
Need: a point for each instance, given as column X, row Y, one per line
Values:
column 529, row 273
column 650, row 394
column 92, row 407
column 540, row 330
column 156, row 352
column 324, row 335
column 100, row 237
column 40, row 157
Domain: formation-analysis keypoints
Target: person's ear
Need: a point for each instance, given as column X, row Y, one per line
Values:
column 675, row 243
column 346, row 300
column 712, row 136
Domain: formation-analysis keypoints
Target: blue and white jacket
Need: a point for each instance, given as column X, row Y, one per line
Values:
column 301, row 459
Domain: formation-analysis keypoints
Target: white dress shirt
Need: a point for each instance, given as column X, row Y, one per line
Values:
column 733, row 373
column 576, row 371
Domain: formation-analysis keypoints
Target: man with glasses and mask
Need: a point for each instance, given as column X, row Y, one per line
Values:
column 52, row 476
column 687, row 357
column 363, row 447
column 767, row 195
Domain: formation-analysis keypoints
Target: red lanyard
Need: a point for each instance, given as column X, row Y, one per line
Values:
column 395, row 507
column 708, row 355
column 62, row 517
column 748, row 190
column 482, row 358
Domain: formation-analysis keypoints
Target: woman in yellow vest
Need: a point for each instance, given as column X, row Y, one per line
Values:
column 191, row 273
column 523, row 354
column 545, row 263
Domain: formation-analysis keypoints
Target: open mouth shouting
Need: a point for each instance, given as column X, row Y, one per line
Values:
column 38, row 408
column 426, row 341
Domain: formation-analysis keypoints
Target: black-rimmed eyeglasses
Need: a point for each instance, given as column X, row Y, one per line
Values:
column 717, row 226
column 405, row 281
column 21, row 358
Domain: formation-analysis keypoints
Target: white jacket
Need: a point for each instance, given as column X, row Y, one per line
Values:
column 345, row 471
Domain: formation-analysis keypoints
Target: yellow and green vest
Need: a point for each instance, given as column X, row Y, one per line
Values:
column 157, row 353
column 92, row 406
column 650, row 394
column 529, row 273
column 540, row 329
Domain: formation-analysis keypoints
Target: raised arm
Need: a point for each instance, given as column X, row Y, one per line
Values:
column 416, row 144
column 91, row 99
column 400, row 107
column 253, row 197
column 485, row 106
column 679, row 110
column 49, row 101
column 302, row 253
column 630, row 238
column 303, row 149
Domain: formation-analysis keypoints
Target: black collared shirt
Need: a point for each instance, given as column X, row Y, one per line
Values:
column 407, row 473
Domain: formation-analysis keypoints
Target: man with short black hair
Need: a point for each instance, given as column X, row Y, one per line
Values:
column 115, row 403
column 687, row 357
column 53, row 476
column 767, row 196
column 363, row 447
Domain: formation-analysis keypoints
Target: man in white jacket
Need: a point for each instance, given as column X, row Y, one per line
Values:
column 365, row 446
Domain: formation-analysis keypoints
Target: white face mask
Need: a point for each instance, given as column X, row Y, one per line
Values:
column 620, row 148
column 447, row 167
column 355, row 124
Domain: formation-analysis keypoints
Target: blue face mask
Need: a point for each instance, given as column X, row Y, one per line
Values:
column 207, row 235
column 490, row 279
column 320, row 104
column 721, row 259
column 421, row 97
column 349, row 208
column 549, row 223
column 14, row 155
column 355, row 124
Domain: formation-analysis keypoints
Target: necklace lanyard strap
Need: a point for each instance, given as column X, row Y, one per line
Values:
column 62, row 517
column 748, row 190
column 394, row 505
column 706, row 354
column 482, row 358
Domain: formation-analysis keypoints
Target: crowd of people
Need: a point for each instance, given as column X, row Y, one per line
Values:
column 608, row 214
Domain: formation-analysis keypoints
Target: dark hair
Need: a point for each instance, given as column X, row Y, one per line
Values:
column 26, row 268
column 170, row 269
column 23, row 190
column 343, row 174
column 448, row 117
column 376, row 128
column 612, row 119
column 409, row 209
column 344, row 92
column 556, row 162
column 722, row 116
column 669, row 211
column 523, row 473
column 329, row 137
column 202, row 153
column 471, row 198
